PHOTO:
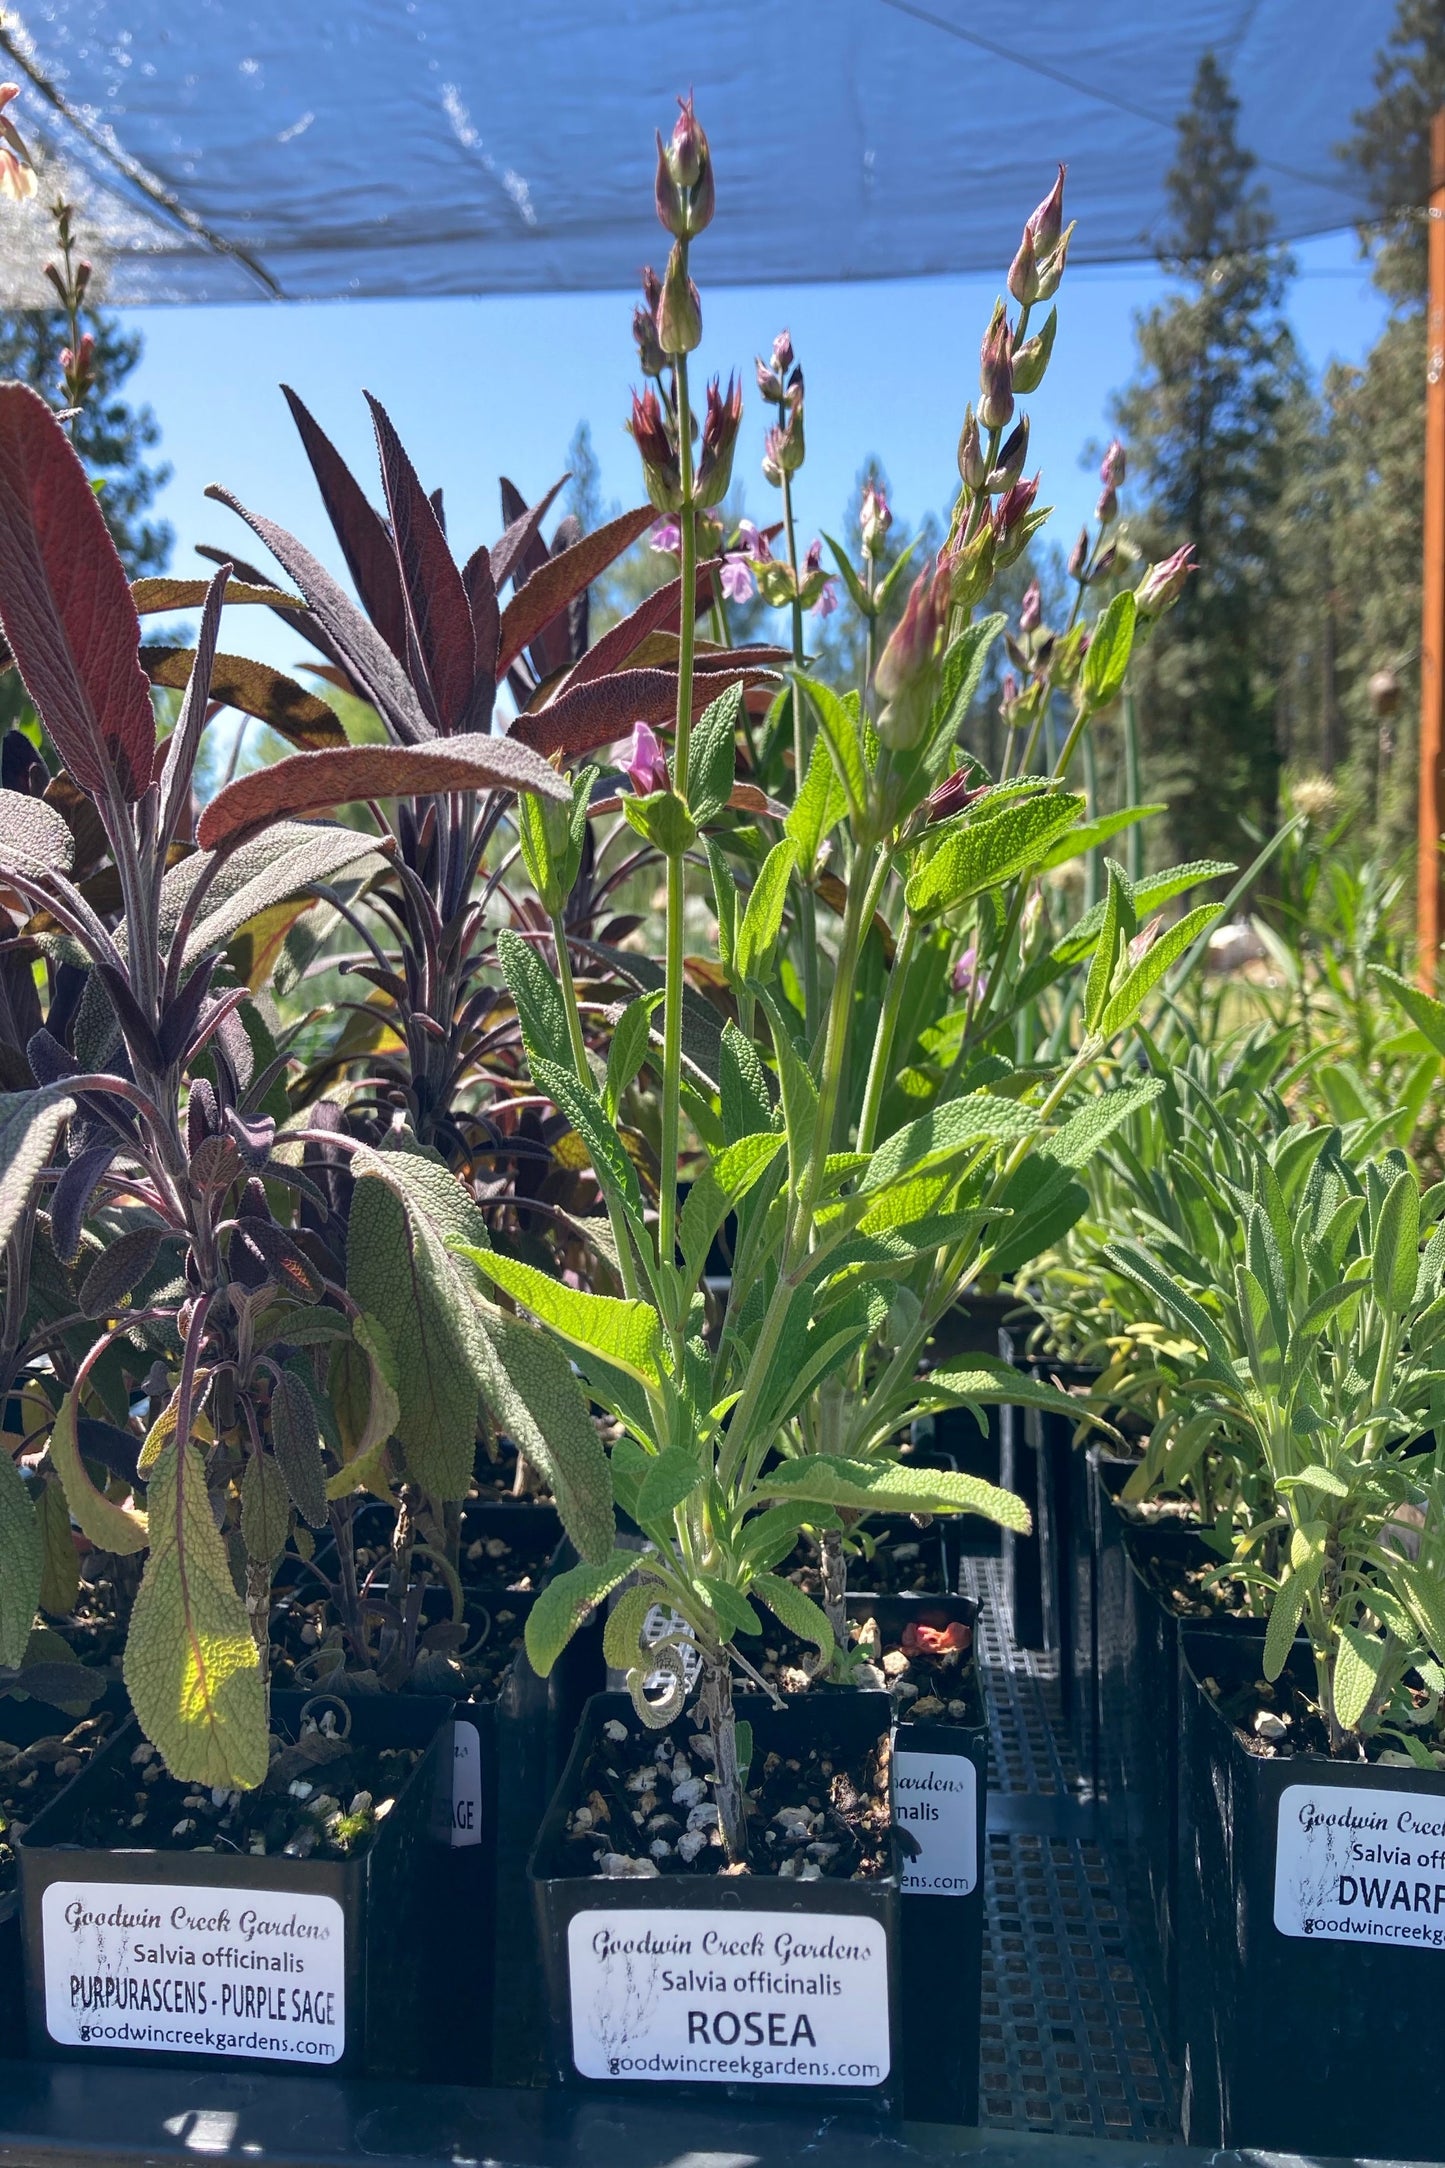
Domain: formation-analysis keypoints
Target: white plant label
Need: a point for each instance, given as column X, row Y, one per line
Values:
column 466, row 1786
column 1357, row 1864
column 935, row 1797
column 195, row 1971
column 776, row 1998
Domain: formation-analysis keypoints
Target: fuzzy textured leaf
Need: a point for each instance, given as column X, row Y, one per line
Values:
column 34, row 839
column 65, row 605
column 317, row 782
column 118, row 1271
column 296, row 1442
column 565, row 1602
column 552, row 586
column 972, row 855
column 1123, row 1006
column 826, row 1480
column 110, row 1527
column 531, row 1391
column 191, row 1667
column 949, row 1128
column 1107, row 662
column 1359, row 1660
column 797, row 1611
column 22, row 1559
column 30, row 1123
column 370, row 663
column 253, row 688
column 399, row 1271
column 265, row 1509
column 623, row 1333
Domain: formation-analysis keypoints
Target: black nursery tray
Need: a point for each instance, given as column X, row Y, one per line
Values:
column 57, row 2118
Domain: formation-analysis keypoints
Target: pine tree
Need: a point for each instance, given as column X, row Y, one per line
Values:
column 1205, row 422
column 111, row 436
column 1369, row 542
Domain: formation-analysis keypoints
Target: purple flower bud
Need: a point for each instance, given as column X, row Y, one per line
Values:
column 1011, row 459
column 995, row 373
column 1012, row 509
column 1051, row 270
column 908, row 667
column 679, row 312
column 1103, row 564
column 719, row 435
column 660, row 468
column 645, row 766
column 1023, row 272
column 686, row 192
column 1163, row 583
column 644, row 325
column 1047, row 222
column 827, row 601
column 1113, row 465
column 874, row 519
column 952, row 796
column 666, row 538
column 1031, row 608
column 1107, row 508
column 783, row 449
column 1079, row 556
column 972, row 471
column 1031, row 360
column 782, row 353
column 1144, row 940
column 967, row 978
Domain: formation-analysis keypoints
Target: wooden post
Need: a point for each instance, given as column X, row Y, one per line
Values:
column 1430, row 872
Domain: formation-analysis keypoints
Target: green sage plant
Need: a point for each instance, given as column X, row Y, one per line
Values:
column 852, row 1238
column 1316, row 1377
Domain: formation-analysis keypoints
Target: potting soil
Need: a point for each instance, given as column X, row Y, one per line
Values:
column 323, row 1798
column 648, row 1799
column 31, row 1776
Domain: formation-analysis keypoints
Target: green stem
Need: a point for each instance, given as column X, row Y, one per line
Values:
column 858, row 911
column 676, row 878
column 1076, row 730
column 884, row 1036
column 620, row 1232
column 807, row 913
column 1133, row 791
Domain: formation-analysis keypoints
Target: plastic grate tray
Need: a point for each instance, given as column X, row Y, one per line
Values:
column 1069, row 2040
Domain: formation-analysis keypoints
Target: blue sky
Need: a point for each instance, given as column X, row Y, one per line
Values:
column 481, row 387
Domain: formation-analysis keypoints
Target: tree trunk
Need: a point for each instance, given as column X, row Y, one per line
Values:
column 717, row 1710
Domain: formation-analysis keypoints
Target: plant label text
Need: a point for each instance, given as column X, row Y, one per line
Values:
column 773, row 1998
column 1358, row 1864
column 174, row 1969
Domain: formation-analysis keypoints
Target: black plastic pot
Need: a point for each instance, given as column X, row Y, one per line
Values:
column 314, row 1964
column 1040, row 1461
column 940, row 1797
column 973, row 1328
column 523, row 1740
column 1139, row 1629
column 23, row 1720
column 692, row 1982
column 1308, row 2021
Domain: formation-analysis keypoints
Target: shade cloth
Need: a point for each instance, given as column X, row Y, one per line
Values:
column 222, row 150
